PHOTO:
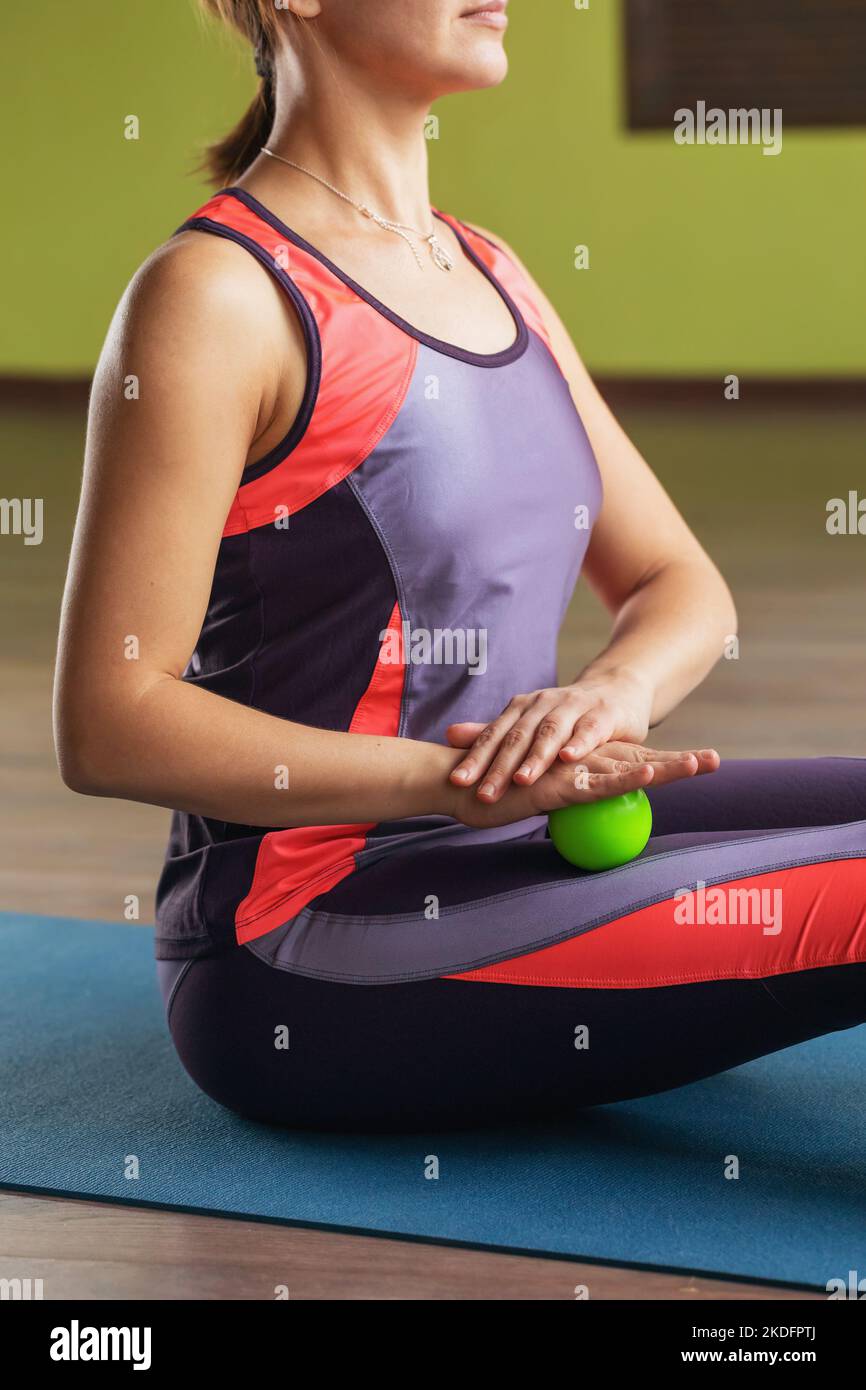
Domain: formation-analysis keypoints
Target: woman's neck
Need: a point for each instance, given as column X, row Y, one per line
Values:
column 372, row 147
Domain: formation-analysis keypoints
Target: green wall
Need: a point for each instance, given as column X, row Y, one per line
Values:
column 703, row 260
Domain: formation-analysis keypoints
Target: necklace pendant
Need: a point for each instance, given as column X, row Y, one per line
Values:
column 441, row 258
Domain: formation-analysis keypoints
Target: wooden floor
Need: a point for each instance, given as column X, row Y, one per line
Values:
column 754, row 483
column 95, row 1250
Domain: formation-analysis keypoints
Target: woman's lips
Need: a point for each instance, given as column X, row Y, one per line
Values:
column 492, row 14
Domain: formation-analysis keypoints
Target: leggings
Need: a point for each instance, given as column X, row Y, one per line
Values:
column 533, row 989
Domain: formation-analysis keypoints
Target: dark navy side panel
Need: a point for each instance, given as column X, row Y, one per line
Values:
column 293, row 628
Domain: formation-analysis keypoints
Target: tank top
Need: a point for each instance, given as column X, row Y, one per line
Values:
column 401, row 561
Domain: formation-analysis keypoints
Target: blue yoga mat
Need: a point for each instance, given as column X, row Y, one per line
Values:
column 88, row 1076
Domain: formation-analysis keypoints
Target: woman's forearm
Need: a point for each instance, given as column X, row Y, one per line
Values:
column 668, row 635
column 181, row 747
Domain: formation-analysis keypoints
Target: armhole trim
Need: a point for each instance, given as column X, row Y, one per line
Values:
column 259, row 467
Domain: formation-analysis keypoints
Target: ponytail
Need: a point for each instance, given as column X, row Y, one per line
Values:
column 226, row 160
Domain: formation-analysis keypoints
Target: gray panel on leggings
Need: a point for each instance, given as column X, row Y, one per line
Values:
column 390, row 949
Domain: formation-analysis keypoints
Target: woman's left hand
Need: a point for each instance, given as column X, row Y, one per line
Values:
column 534, row 730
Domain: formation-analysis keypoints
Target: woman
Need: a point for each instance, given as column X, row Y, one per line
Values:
column 344, row 467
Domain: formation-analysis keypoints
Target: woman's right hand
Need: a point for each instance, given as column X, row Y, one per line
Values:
column 612, row 769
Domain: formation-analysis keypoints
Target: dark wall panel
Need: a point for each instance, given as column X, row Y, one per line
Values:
column 806, row 56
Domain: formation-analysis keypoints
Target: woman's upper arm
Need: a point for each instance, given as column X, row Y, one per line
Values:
column 639, row 529
column 186, row 383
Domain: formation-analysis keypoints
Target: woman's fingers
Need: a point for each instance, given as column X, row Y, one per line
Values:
column 530, row 747
column 670, row 765
column 673, row 769
column 484, row 746
column 708, row 760
column 666, row 765
column 520, row 744
column 591, row 731
column 693, row 763
column 555, row 729
column 463, row 735
column 601, row 785
column 512, row 753
column 597, row 763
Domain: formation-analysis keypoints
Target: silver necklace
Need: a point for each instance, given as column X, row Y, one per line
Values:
column 440, row 256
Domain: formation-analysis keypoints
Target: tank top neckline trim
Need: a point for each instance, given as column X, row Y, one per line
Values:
column 477, row 359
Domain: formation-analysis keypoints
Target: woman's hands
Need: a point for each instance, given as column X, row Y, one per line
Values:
column 553, row 748
column 610, row 770
column 535, row 730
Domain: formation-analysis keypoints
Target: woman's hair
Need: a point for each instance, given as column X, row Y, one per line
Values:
column 256, row 21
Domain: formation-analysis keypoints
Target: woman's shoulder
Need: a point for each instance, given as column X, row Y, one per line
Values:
column 198, row 277
column 200, row 297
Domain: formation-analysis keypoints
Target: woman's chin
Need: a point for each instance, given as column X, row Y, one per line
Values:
column 485, row 70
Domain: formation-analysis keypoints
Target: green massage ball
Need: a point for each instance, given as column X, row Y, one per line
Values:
column 598, row 835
